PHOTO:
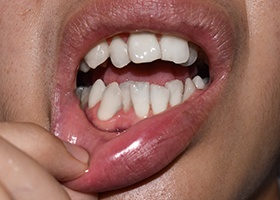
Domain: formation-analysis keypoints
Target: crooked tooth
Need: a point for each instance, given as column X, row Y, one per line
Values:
column 96, row 93
column 97, row 55
column 176, row 88
column 119, row 53
column 111, row 102
column 174, row 49
column 126, row 97
column 159, row 97
column 189, row 89
column 143, row 47
column 199, row 83
column 140, row 98
column 193, row 55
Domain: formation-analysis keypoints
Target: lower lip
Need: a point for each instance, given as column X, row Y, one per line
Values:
column 117, row 161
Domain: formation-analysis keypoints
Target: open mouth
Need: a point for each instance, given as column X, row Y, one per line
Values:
column 134, row 84
column 125, row 80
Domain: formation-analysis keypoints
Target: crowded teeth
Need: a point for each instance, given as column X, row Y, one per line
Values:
column 140, row 48
column 199, row 83
column 98, row 55
column 174, row 49
column 96, row 93
column 140, row 96
column 189, row 89
column 111, row 102
column 159, row 98
column 119, row 53
column 126, row 97
column 176, row 88
column 143, row 47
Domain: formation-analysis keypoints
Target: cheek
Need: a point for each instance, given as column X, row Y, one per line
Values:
column 23, row 84
column 23, row 95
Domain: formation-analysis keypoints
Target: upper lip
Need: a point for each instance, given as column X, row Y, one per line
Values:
column 152, row 144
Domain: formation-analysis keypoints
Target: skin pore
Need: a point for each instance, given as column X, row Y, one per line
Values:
column 233, row 155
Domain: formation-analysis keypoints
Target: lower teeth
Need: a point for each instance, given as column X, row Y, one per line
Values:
column 143, row 97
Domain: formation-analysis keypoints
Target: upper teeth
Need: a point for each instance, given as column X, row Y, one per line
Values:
column 141, row 48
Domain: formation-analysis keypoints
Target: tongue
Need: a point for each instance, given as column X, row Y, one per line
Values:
column 158, row 72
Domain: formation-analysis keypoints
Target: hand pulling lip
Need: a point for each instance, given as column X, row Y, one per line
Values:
column 150, row 145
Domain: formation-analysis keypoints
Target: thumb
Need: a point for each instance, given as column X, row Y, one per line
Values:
column 63, row 160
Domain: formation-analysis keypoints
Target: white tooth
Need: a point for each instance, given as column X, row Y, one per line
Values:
column 96, row 93
column 199, row 83
column 143, row 47
column 159, row 97
column 193, row 55
column 111, row 102
column 176, row 88
column 174, row 49
column 140, row 98
column 97, row 55
column 84, row 67
column 119, row 53
column 126, row 97
column 189, row 89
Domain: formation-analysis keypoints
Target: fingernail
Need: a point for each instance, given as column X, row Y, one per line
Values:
column 78, row 152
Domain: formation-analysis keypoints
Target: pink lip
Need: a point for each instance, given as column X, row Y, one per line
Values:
column 118, row 161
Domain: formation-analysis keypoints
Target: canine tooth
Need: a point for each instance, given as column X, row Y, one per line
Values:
column 97, row 55
column 176, row 88
column 199, row 83
column 193, row 55
column 84, row 67
column 96, row 93
column 189, row 89
column 159, row 97
column 119, row 52
column 140, row 98
column 143, row 47
column 111, row 102
column 174, row 49
column 126, row 97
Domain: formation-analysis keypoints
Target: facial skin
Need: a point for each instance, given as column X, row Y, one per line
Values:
column 235, row 152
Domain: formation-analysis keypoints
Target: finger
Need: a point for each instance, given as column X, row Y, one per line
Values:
column 74, row 195
column 65, row 162
column 24, row 178
column 4, row 195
